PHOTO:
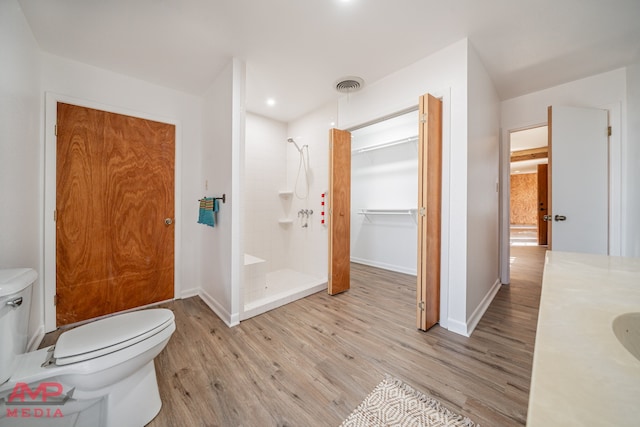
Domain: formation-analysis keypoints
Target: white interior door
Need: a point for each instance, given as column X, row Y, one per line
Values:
column 579, row 179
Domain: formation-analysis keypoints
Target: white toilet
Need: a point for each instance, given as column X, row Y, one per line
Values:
column 99, row 374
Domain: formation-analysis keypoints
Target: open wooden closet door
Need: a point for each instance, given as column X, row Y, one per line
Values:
column 339, row 199
column 429, row 211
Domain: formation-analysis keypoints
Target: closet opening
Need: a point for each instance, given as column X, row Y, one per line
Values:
column 384, row 193
column 385, row 203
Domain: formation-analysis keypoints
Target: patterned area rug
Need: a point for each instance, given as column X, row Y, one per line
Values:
column 394, row 403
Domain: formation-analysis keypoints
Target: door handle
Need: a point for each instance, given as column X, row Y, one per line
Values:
column 560, row 218
column 168, row 221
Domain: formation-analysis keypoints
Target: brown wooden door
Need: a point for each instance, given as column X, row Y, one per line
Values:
column 429, row 211
column 542, row 203
column 339, row 211
column 114, row 198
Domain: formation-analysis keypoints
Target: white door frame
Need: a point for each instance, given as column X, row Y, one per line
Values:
column 615, row 187
column 49, row 237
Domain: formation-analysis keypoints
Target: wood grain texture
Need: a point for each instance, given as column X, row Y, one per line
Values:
column 524, row 199
column 429, row 199
column 339, row 211
column 115, row 187
column 530, row 154
column 311, row 362
column 543, row 203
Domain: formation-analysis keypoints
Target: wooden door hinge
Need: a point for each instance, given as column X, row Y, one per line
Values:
column 423, row 118
column 55, row 299
column 609, row 131
column 421, row 305
column 55, row 215
column 55, row 130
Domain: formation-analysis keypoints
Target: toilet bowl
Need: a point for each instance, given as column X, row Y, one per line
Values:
column 98, row 374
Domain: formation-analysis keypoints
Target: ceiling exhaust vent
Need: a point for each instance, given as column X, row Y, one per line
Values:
column 349, row 84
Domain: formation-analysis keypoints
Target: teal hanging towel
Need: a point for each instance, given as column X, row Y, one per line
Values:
column 208, row 205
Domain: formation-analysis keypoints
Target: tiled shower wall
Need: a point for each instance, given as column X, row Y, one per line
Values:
column 265, row 175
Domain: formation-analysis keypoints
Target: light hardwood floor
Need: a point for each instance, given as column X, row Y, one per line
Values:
column 311, row 362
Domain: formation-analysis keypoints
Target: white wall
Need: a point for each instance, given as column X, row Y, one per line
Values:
column 121, row 93
column 631, row 156
column 222, row 163
column 443, row 74
column 265, row 175
column 385, row 178
column 307, row 251
column 20, row 152
column 470, row 169
column 608, row 91
column 482, row 186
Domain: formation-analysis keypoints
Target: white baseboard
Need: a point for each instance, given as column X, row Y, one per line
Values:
column 36, row 339
column 467, row 328
column 385, row 266
column 223, row 314
column 458, row 327
column 188, row 293
column 482, row 307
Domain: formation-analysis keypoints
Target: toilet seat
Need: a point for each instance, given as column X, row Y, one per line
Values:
column 109, row 335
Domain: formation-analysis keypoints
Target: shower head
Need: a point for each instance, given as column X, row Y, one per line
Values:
column 290, row 140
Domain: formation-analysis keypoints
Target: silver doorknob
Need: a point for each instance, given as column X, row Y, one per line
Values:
column 546, row 217
column 560, row 218
column 168, row 221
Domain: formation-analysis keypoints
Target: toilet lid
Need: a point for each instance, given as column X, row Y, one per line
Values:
column 111, row 334
column 13, row 280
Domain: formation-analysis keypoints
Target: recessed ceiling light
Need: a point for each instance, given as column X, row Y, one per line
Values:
column 271, row 102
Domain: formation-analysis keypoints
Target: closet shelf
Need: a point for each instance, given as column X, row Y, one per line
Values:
column 285, row 221
column 385, row 145
column 387, row 211
column 409, row 212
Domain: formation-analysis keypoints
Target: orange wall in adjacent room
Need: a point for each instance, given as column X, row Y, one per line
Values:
column 524, row 199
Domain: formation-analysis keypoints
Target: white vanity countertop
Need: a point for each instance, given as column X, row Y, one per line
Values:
column 582, row 375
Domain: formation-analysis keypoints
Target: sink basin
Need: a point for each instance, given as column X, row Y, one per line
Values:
column 627, row 330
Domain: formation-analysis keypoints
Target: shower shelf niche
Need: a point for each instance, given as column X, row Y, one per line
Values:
column 285, row 221
column 285, row 193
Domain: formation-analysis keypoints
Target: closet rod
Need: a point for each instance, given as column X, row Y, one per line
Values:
column 387, row 211
column 385, row 144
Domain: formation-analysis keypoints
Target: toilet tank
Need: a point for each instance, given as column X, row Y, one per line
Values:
column 15, row 304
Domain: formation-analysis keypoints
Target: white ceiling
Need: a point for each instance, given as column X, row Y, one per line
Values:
column 524, row 140
column 296, row 49
column 529, row 138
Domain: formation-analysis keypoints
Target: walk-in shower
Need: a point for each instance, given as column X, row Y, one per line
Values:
column 281, row 229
